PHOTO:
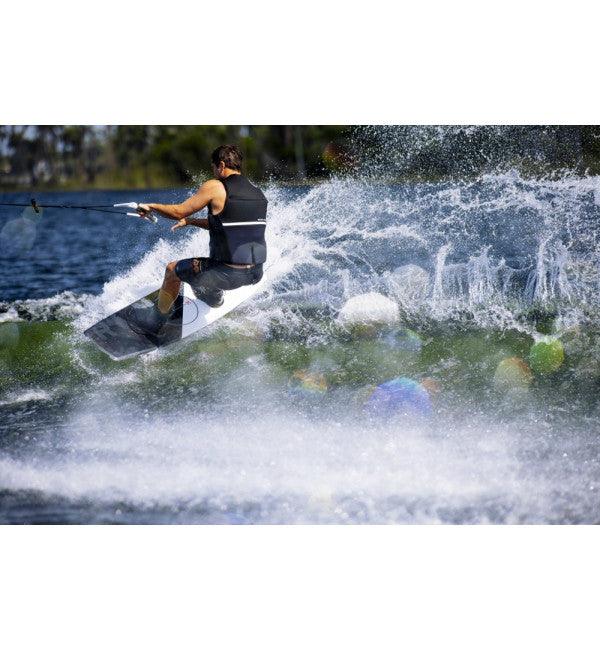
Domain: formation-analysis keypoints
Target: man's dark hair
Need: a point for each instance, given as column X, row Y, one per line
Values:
column 228, row 154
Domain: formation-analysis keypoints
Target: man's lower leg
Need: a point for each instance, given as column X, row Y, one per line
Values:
column 168, row 292
column 165, row 300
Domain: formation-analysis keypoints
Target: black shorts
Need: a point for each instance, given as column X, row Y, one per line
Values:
column 209, row 278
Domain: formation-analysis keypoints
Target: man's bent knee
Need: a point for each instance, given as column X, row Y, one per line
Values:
column 171, row 269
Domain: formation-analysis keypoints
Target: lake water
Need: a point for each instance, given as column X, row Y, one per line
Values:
column 273, row 415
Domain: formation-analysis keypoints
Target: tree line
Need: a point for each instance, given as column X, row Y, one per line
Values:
column 82, row 157
column 77, row 157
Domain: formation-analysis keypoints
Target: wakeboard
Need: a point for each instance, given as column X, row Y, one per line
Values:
column 121, row 338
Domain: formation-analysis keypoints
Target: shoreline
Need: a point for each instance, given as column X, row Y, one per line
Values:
column 408, row 179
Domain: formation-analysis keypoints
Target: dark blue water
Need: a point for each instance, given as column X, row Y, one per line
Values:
column 77, row 250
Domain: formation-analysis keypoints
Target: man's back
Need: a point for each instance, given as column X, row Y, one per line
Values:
column 237, row 232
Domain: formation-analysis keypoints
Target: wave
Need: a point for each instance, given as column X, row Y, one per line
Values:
column 290, row 470
column 493, row 252
column 32, row 395
column 66, row 305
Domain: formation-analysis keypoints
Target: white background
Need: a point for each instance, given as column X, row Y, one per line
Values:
column 298, row 63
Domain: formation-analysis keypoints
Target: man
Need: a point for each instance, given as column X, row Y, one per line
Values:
column 237, row 213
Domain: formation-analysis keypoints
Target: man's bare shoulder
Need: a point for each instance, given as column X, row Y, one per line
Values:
column 213, row 186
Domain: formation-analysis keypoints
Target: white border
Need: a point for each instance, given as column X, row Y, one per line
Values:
column 264, row 62
column 308, row 63
column 299, row 587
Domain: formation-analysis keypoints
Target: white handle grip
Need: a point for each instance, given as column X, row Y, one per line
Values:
column 149, row 216
column 132, row 205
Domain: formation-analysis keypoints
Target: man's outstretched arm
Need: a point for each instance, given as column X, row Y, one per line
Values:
column 195, row 203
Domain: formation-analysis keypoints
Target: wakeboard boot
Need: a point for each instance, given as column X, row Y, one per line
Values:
column 147, row 320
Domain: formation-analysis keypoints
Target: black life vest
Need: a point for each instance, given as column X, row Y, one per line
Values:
column 237, row 233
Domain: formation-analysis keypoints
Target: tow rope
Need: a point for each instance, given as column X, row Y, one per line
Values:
column 94, row 208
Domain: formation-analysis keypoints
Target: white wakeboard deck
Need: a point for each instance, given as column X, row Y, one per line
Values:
column 115, row 336
column 197, row 314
